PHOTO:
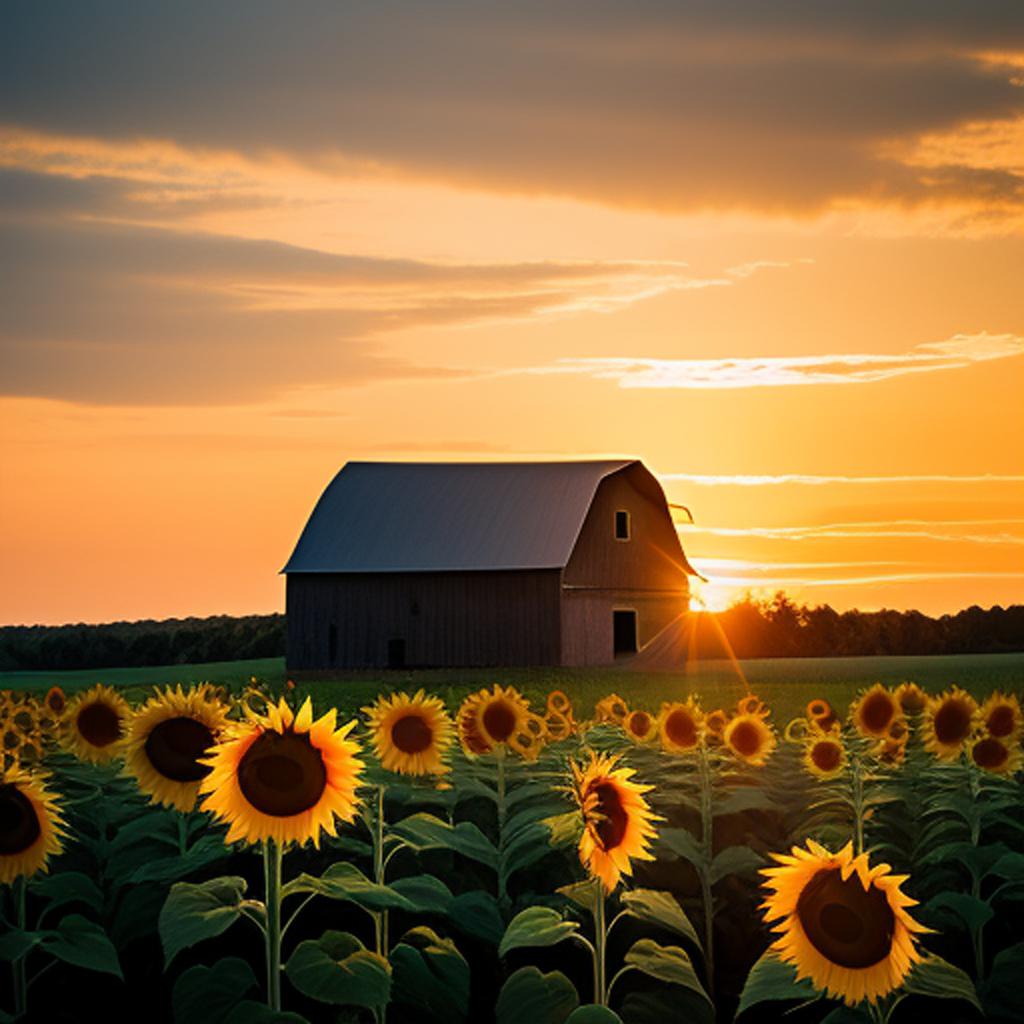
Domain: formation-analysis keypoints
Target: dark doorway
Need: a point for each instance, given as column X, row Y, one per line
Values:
column 396, row 652
column 624, row 630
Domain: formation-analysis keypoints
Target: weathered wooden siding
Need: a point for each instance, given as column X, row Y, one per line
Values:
column 458, row 618
column 604, row 574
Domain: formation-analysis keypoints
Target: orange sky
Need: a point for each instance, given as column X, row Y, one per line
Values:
column 776, row 255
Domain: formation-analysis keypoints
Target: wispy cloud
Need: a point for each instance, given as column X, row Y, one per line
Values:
column 815, row 480
column 957, row 352
column 897, row 529
column 782, row 582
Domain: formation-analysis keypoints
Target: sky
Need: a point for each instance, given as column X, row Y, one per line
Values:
column 776, row 251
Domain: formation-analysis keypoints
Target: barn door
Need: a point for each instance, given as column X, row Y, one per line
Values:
column 396, row 652
column 624, row 631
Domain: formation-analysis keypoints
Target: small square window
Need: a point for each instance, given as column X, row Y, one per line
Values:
column 622, row 525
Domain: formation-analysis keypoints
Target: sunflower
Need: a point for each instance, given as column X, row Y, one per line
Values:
column 30, row 825
column 819, row 710
column 410, row 735
column 611, row 709
column 714, row 724
column 528, row 741
column 617, row 821
column 995, row 755
column 681, row 726
column 95, row 724
column 911, row 697
column 558, row 725
column 559, row 701
column 167, row 737
column 949, row 721
column 283, row 776
column 1001, row 716
column 874, row 711
column 842, row 923
column 491, row 718
column 824, row 755
column 892, row 752
column 750, row 738
column 55, row 700
column 751, row 705
column 640, row 726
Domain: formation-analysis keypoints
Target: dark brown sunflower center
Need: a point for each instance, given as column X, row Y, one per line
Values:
column 55, row 701
column 1001, row 721
column 174, row 745
column 282, row 774
column 12, row 738
column 680, row 728
column 989, row 753
column 19, row 824
column 411, row 734
column 99, row 724
column 847, row 925
column 640, row 723
column 818, row 709
column 611, row 828
column 952, row 722
column 499, row 720
column 746, row 739
column 877, row 712
column 911, row 700
column 826, row 755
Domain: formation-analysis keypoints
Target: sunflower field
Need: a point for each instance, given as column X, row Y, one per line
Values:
column 245, row 855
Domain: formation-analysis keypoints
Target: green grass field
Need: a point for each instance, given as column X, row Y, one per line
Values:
column 785, row 683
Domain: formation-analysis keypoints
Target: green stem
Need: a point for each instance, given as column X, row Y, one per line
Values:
column 182, row 835
column 499, row 755
column 707, row 822
column 20, row 984
column 977, row 933
column 272, row 877
column 379, row 865
column 600, row 942
column 857, row 795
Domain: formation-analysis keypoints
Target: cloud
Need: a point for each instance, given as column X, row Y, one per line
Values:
column 958, row 352
column 113, row 313
column 856, row 531
column 659, row 103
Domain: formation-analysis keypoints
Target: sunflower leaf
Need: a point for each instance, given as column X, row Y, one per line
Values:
column 68, row 887
column 210, row 993
column 206, row 851
column 344, row 881
column 973, row 912
column 476, row 913
column 593, row 1014
column 427, row 894
column 248, row 1011
column 666, row 963
column 430, row 975
column 771, row 980
column 529, row 995
column 681, row 842
column 564, row 829
column 937, row 979
column 15, row 943
column 336, row 968
column 425, row 832
column 82, row 942
column 536, row 926
column 745, row 798
column 734, row 860
column 193, row 912
column 662, row 909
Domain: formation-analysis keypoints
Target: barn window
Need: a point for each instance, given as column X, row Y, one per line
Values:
column 624, row 631
column 622, row 525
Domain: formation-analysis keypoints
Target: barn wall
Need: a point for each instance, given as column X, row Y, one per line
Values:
column 457, row 618
column 587, row 621
column 603, row 574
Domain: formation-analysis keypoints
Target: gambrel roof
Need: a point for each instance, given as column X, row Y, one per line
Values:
column 454, row 516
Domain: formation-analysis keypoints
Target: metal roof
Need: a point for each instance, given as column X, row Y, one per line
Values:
column 445, row 516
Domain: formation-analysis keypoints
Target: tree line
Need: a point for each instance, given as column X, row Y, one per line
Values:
column 779, row 628
column 148, row 642
column 776, row 628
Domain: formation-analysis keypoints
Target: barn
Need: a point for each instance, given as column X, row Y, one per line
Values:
column 406, row 565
